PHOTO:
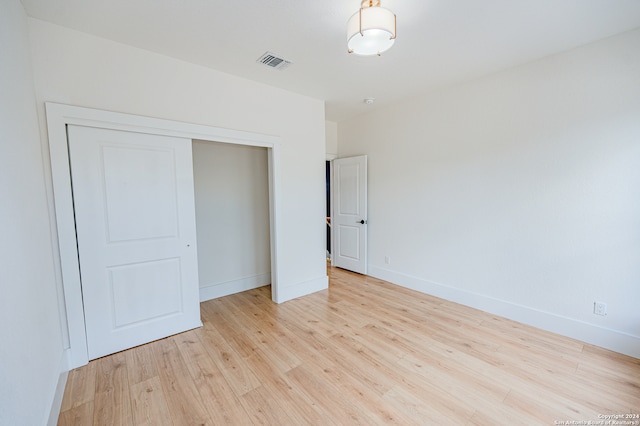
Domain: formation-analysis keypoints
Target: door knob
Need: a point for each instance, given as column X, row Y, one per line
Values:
column 362, row 221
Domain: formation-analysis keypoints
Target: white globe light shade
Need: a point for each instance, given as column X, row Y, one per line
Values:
column 377, row 34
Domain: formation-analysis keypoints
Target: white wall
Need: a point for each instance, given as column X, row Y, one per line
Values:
column 79, row 69
column 331, row 132
column 232, row 217
column 517, row 193
column 31, row 352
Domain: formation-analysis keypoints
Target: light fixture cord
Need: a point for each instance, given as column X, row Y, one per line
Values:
column 369, row 3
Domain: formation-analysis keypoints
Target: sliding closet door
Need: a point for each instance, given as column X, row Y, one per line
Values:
column 135, row 220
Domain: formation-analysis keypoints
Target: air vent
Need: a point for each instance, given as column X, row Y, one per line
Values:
column 274, row 61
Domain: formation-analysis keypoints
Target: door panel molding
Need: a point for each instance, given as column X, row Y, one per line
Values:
column 58, row 117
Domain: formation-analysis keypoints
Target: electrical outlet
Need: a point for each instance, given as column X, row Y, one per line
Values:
column 387, row 260
column 600, row 308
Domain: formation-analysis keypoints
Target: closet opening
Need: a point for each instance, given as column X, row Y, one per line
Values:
column 231, row 187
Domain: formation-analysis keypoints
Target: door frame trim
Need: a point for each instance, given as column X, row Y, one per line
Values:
column 58, row 117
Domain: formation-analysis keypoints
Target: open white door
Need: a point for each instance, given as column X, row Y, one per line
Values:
column 135, row 223
column 349, row 220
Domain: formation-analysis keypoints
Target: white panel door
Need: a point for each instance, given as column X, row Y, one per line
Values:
column 349, row 220
column 135, row 223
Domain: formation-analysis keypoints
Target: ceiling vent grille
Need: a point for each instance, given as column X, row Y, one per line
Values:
column 274, row 61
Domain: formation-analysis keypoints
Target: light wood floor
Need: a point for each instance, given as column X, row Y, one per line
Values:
column 363, row 352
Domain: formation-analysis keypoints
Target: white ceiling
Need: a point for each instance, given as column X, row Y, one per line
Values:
column 439, row 42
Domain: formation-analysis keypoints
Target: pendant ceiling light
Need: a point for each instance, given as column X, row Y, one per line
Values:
column 371, row 30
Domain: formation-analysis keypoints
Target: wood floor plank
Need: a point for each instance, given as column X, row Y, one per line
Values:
column 215, row 311
column 332, row 353
column 362, row 352
column 262, row 334
column 337, row 409
column 148, row 404
column 352, row 388
column 420, row 389
column 545, row 408
column 433, row 362
column 81, row 386
column 230, row 363
column 499, row 414
column 324, row 323
column 321, row 361
column 286, row 397
column 264, row 409
column 456, row 384
column 183, row 400
column 512, row 331
column 287, row 327
column 112, row 401
column 424, row 411
column 78, row 415
column 140, row 364
column 218, row 397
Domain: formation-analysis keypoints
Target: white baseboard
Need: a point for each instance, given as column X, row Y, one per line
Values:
column 302, row 289
column 56, row 403
column 213, row 291
column 614, row 340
